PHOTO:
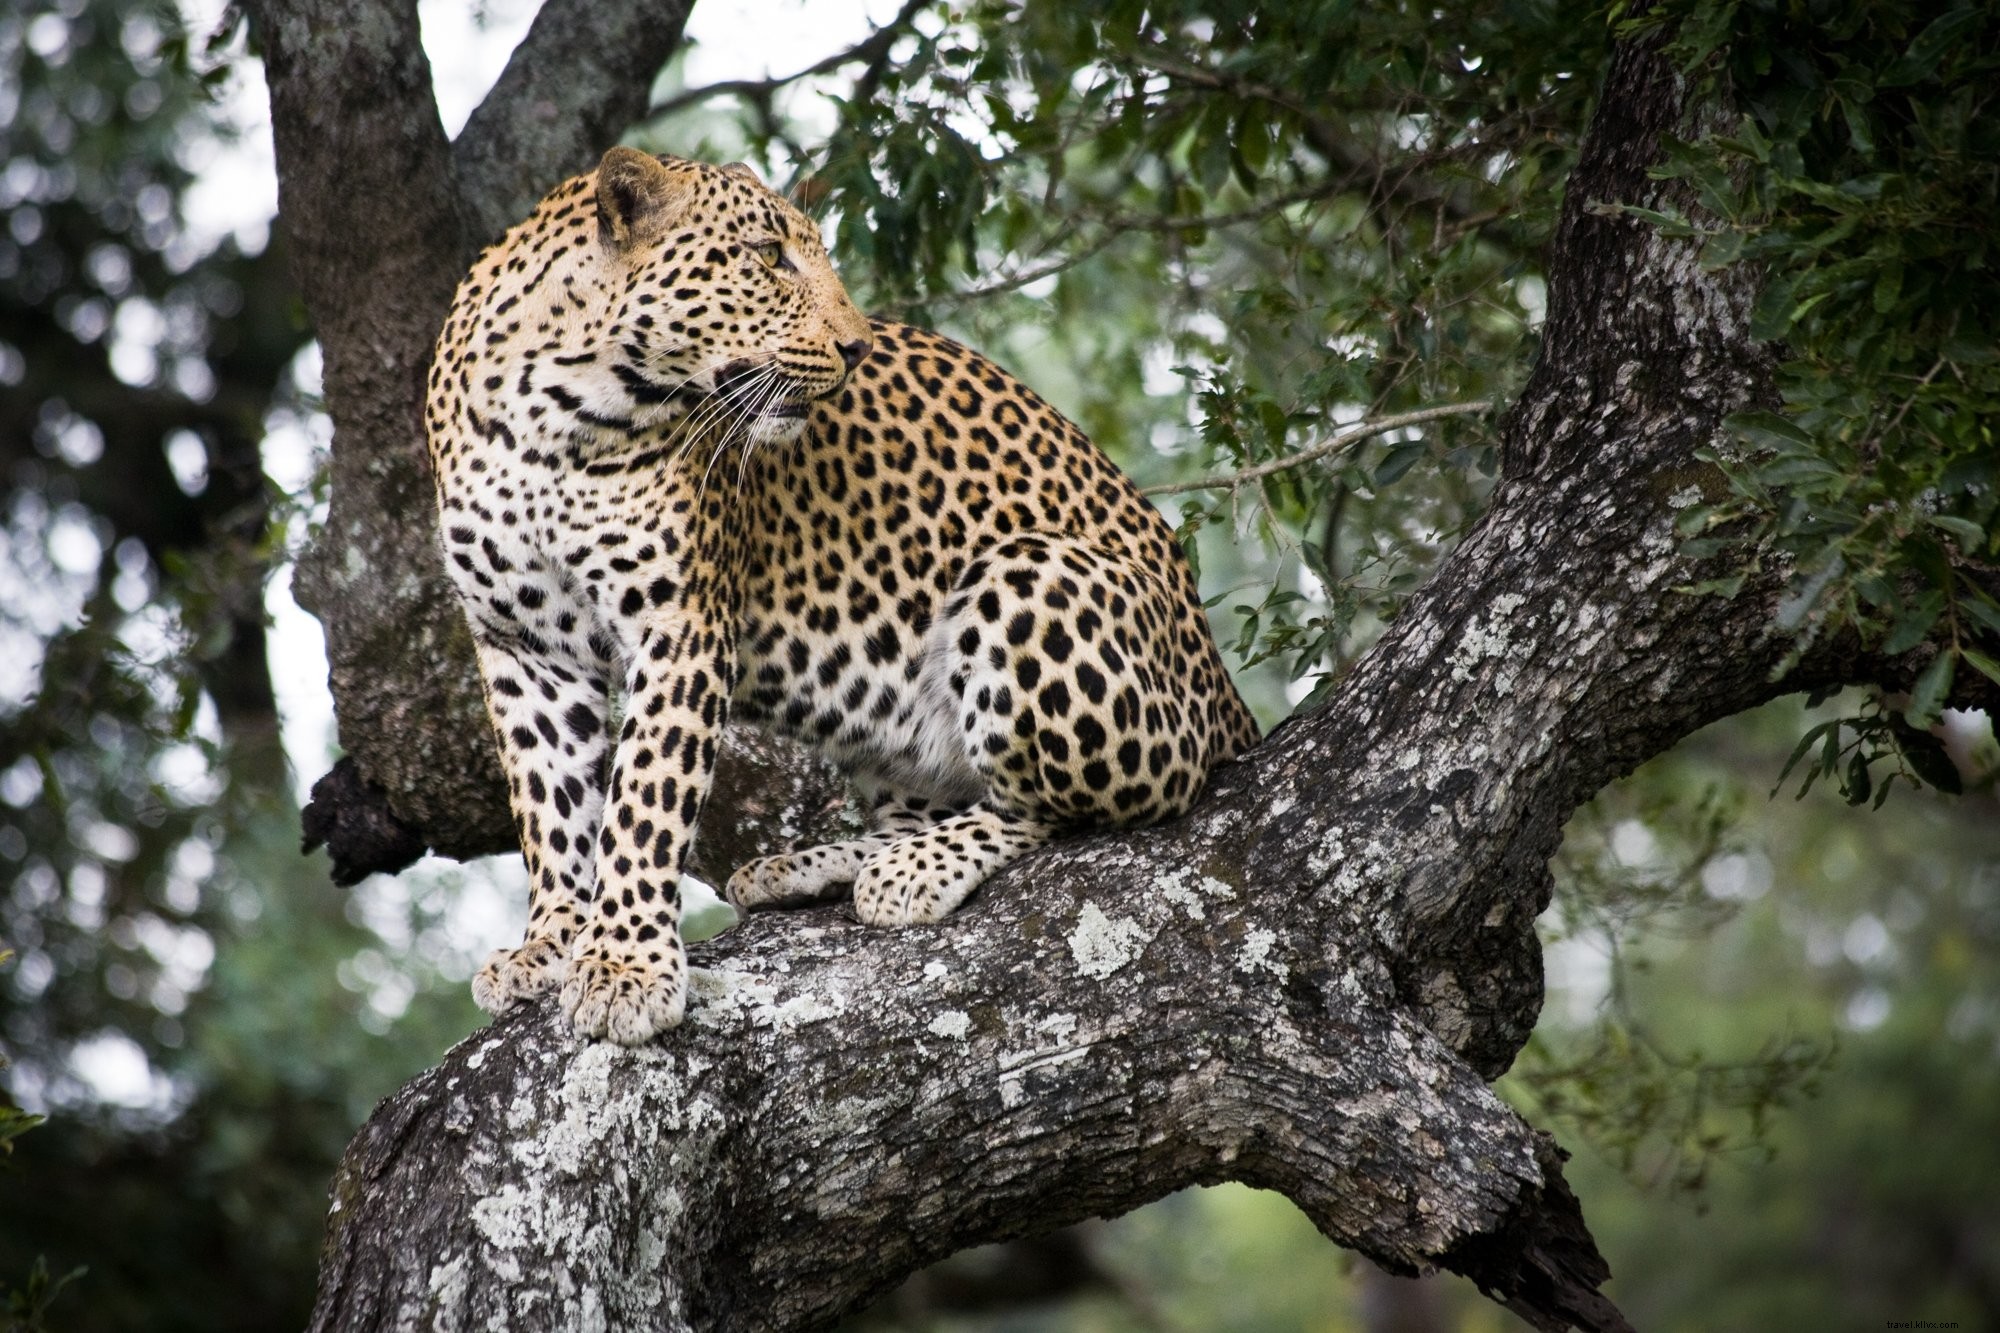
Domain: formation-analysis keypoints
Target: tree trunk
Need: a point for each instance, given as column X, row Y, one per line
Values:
column 1305, row 984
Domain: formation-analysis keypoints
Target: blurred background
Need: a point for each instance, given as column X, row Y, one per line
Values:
column 1772, row 1035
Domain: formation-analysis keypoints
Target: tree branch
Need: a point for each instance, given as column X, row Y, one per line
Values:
column 1115, row 227
column 1332, row 141
column 872, row 50
column 1343, row 438
column 575, row 83
column 367, row 200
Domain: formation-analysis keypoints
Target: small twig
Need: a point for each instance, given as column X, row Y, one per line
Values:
column 1118, row 225
column 1354, row 434
column 1872, row 446
column 873, row 49
column 1176, row 222
column 1025, row 276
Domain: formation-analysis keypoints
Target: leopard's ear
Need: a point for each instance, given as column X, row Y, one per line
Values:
column 743, row 170
column 637, row 197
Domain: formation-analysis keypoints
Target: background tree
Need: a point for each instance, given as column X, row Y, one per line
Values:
column 175, row 999
column 1314, row 219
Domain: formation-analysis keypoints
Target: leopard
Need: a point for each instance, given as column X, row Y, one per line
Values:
column 682, row 482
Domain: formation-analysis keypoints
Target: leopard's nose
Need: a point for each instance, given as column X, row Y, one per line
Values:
column 852, row 352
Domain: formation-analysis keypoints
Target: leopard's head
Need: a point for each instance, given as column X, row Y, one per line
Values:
column 723, row 300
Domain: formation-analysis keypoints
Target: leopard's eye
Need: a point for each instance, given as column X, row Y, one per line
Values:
column 772, row 254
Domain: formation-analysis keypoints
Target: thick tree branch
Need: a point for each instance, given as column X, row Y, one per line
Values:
column 366, row 196
column 1144, row 1054
column 572, row 86
column 872, row 51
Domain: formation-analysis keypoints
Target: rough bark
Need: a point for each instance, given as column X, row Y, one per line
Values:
column 575, row 82
column 1305, row 984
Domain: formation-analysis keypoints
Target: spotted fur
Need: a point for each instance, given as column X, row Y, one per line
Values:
column 676, row 467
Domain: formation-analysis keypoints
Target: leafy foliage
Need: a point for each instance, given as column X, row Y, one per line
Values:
column 1632, row 871
column 27, row 1308
column 1863, row 179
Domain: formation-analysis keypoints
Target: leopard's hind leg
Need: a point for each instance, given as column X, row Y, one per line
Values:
column 820, row 874
column 924, row 877
column 1070, row 691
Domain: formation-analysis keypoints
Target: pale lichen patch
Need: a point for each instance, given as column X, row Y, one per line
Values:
column 1256, row 955
column 1488, row 638
column 1102, row 944
column 952, row 1023
column 500, row 1218
column 1176, row 888
column 1215, row 888
column 447, row 1282
column 478, row 1057
column 1332, row 851
column 724, row 998
column 1059, row 1026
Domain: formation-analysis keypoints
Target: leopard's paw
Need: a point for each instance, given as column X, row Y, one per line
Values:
column 759, row 883
column 516, row 976
column 625, row 1000
column 791, row 879
column 889, row 893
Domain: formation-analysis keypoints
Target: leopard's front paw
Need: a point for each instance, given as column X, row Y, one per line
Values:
column 624, row 1000
column 515, row 976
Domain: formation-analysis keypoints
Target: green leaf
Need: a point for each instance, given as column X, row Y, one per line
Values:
column 1799, row 750
column 1920, row 60
column 1723, row 249
column 1772, row 318
column 1928, row 694
column 1915, row 622
column 1888, row 287
column 1792, row 471
column 1858, row 132
column 1985, row 665
column 1768, row 430
column 1981, row 608
column 1857, row 787
column 1927, row 758
column 1397, row 461
column 1725, row 588
column 1972, row 539
column 1670, row 224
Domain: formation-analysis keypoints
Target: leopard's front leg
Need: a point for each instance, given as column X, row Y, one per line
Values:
column 628, row 972
column 549, row 711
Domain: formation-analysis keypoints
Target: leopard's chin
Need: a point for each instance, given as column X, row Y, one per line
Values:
column 779, row 425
